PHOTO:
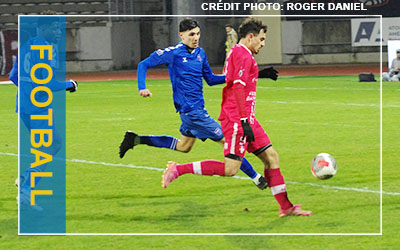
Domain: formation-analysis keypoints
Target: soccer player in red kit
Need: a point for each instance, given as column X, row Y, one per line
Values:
column 239, row 125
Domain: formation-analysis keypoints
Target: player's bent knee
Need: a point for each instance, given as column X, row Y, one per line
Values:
column 230, row 172
column 232, row 165
column 185, row 149
column 272, row 154
column 185, row 144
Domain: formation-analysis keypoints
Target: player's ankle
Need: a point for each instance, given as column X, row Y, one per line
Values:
column 256, row 179
column 137, row 140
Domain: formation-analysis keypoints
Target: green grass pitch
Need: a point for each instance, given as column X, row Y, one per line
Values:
column 303, row 116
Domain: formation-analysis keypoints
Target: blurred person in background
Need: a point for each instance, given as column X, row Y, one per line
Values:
column 394, row 72
column 231, row 38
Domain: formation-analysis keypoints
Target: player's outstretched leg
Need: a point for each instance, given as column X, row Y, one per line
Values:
column 130, row 140
column 207, row 167
column 160, row 141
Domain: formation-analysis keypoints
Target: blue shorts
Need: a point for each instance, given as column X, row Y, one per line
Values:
column 35, row 124
column 199, row 124
column 41, row 124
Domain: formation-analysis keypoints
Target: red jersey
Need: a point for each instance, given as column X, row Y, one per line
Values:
column 241, row 73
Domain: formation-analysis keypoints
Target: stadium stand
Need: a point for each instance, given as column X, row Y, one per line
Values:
column 10, row 9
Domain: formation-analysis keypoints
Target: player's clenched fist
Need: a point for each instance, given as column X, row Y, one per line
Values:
column 72, row 86
column 145, row 93
column 247, row 131
column 269, row 72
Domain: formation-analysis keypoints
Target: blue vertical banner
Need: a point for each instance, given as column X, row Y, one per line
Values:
column 41, row 109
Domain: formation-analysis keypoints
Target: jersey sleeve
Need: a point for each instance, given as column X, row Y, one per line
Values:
column 209, row 76
column 42, row 73
column 158, row 57
column 14, row 73
column 241, row 71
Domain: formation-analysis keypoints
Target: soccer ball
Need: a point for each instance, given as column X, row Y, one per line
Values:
column 323, row 166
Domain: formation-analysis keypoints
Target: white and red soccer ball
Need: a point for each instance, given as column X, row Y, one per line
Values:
column 323, row 166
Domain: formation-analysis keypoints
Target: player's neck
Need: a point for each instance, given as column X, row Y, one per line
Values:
column 41, row 35
column 246, row 44
column 190, row 50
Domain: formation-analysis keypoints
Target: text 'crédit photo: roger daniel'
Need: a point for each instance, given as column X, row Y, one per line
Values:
column 224, row 6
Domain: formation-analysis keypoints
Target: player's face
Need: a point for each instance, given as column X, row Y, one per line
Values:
column 228, row 29
column 52, row 32
column 257, row 42
column 191, row 37
column 398, row 55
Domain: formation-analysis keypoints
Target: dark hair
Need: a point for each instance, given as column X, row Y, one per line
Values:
column 251, row 25
column 48, row 12
column 48, row 20
column 398, row 51
column 229, row 25
column 188, row 24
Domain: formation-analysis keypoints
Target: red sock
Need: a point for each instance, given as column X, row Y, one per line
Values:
column 277, row 185
column 208, row 167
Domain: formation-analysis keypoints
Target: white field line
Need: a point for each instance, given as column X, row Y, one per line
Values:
column 377, row 105
column 317, row 88
column 6, row 82
column 362, row 190
column 114, row 119
column 321, row 103
column 341, row 125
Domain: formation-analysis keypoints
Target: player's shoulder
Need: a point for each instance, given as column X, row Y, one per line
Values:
column 26, row 47
column 170, row 49
column 201, row 50
column 37, row 41
column 236, row 48
column 241, row 51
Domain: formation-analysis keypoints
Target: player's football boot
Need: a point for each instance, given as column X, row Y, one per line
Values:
column 170, row 174
column 294, row 211
column 16, row 183
column 130, row 140
column 22, row 179
column 262, row 184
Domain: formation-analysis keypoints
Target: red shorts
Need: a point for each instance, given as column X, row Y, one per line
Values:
column 235, row 143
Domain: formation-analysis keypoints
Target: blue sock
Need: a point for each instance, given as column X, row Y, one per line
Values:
column 26, row 177
column 248, row 169
column 159, row 141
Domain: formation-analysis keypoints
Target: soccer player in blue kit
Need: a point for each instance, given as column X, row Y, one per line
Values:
column 187, row 65
column 48, row 34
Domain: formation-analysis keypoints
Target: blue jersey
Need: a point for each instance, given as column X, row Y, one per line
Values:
column 32, row 58
column 186, row 71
